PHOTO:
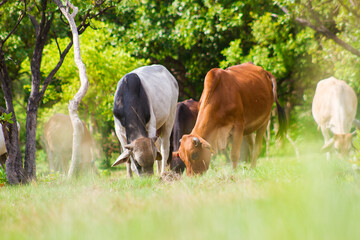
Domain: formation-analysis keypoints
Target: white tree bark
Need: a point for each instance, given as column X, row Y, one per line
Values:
column 74, row 104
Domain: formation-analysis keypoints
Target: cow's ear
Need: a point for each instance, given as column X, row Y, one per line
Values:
column 124, row 157
column 175, row 154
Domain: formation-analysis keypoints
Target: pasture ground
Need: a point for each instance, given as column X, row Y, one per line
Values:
column 282, row 198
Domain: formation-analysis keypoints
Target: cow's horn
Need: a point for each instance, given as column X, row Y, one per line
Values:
column 196, row 141
column 328, row 145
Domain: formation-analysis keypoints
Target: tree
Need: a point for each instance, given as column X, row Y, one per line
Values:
column 338, row 20
column 43, row 18
column 335, row 26
column 106, row 61
column 14, row 167
column 74, row 104
column 186, row 36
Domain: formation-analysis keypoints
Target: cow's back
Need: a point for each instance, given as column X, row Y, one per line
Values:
column 239, row 93
column 334, row 105
column 162, row 90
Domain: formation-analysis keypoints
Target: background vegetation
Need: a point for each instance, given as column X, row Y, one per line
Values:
column 189, row 38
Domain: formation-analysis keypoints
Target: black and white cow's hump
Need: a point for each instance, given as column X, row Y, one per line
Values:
column 131, row 106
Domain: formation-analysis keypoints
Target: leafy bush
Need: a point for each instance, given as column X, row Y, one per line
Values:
column 3, row 179
column 356, row 144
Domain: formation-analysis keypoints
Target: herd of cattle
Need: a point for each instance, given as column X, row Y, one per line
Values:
column 153, row 127
column 235, row 102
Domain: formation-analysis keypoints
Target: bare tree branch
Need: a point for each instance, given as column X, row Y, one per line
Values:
column 35, row 23
column 3, row 2
column 81, row 28
column 323, row 30
column 56, row 68
column 57, row 43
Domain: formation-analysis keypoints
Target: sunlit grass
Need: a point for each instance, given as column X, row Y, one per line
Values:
column 283, row 198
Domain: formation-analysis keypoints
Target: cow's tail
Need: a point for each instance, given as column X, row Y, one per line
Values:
column 280, row 110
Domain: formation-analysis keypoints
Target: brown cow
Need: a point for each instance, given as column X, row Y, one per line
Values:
column 237, row 100
column 186, row 114
column 58, row 138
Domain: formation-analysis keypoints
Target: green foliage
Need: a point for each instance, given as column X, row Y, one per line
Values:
column 340, row 18
column 356, row 144
column 3, row 178
column 6, row 117
column 187, row 36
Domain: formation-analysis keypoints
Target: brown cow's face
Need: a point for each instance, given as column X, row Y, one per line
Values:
column 196, row 154
column 342, row 143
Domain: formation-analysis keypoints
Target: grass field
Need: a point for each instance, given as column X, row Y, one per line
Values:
column 283, row 198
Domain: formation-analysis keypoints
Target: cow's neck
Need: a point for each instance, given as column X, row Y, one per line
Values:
column 205, row 131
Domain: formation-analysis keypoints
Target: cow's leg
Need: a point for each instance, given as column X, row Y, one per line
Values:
column 250, row 139
column 51, row 160
column 244, row 151
column 165, row 139
column 258, row 144
column 236, row 144
column 165, row 143
column 268, row 141
column 120, row 133
column 153, row 133
column 326, row 133
column 65, row 163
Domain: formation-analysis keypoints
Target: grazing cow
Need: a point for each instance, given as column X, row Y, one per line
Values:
column 186, row 114
column 237, row 100
column 3, row 151
column 58, row 139
column 334, row 109
column 144, row 109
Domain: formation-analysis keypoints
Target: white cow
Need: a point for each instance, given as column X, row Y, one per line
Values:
column 144, row 108
column 334, row 109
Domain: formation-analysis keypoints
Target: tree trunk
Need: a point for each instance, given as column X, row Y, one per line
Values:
column 30, row 148
column 14, row 165
column 74, row 104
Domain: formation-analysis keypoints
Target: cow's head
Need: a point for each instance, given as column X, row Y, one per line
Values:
column 341, row 143
column 196, row 154
column 177, row 165
column 143, row 152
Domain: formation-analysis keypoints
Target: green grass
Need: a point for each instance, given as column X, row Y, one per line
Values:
column 283, row 198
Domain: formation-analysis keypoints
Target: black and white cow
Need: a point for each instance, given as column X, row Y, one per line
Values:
column 144, row 109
